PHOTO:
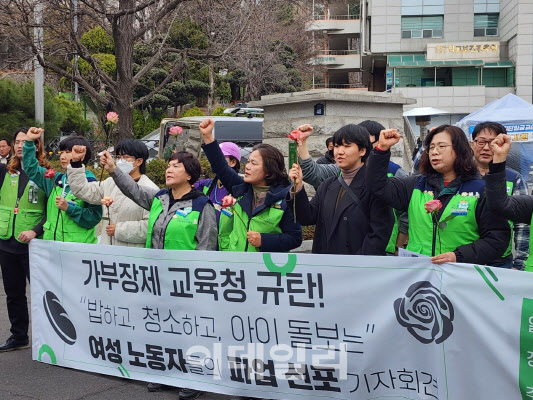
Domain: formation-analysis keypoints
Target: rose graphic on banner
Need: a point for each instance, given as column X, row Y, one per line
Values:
column 58, row 318
column 426, row 313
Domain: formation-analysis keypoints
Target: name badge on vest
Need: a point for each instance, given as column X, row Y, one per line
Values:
column 183, row 213
column 462, row 208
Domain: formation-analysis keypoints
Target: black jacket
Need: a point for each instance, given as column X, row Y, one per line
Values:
column 326, row 159
column 494, row 231
column 348, row 228
column 515, row 208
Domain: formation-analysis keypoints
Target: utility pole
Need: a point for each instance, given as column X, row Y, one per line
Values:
column 76, row 91
column 38, row 69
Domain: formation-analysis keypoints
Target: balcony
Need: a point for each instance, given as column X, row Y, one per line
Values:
column 339, row 59
column 335, row 24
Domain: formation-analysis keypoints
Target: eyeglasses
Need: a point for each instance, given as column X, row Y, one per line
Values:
column 481, row 142
column 124, row 157
column 439, row 146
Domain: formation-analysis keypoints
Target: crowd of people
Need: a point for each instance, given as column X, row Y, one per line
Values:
column 464, row 206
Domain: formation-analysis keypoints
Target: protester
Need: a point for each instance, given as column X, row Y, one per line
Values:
column 22, row 216
column 460, row 228
column 127, row 223
column 482, row 135
column 69, row 219
column 328, row 157
column 181, row 217
column 263, row 221
column 315, row 174
column 5, row 151
column 342, row 203
column 518, row 209
column 213, row 188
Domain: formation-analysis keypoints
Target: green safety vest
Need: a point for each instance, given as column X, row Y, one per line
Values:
column 31, row 207
column 510, row 187
column 459, row 230
column 180, row 233
column 529, row 261
column 60, row 227
column 235, row 224
column 391, row 246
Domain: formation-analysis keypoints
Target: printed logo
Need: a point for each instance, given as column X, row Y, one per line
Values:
column 59, row 318
column 426, row 313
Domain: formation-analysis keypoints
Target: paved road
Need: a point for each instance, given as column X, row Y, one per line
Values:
column 24, row 379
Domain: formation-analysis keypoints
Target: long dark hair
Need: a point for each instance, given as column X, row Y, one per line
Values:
column 464, row 161
column 273, row 165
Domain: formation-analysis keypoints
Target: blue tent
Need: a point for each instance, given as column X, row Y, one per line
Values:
column 517, row 117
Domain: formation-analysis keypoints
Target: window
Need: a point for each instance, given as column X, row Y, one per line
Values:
column 486, row 24
column 422, row 27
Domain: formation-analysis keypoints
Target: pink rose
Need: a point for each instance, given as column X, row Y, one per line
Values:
column 112, row 117
column 433, row 206
column 175, row 130
column 295, row 134
column 107, row 201
column 228, row 201
column 50, row 173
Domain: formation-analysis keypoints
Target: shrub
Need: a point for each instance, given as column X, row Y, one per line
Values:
column 192, row 112
column 155, row 170
column 219, row 111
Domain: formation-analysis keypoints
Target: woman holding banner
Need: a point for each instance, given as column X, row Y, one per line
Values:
column 516, row 208
column 448, row 216
column 22, row 216
column 181, row 217
column 258, row 219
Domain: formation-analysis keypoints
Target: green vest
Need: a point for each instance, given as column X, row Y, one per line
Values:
column 391, row 246
column 60, row 227
column 31, row 207
column 180, row 233
column 235, row 224
column 529, row 261
column 458, row 216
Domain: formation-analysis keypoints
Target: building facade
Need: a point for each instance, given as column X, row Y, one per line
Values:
column 457, row 55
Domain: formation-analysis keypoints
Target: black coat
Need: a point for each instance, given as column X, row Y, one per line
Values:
column 348, row 228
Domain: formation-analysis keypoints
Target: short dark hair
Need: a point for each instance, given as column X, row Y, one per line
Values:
column 70, row 142
column 495, row 127
column 373, row 127
column 190, row 163
column 273, row 165
column 7, row 140
column 135, row 148
column 352, row 133
column 237, row 167
column 464, row 161
column 329, row 140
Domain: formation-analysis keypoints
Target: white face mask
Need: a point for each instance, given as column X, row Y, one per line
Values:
column 125, row 166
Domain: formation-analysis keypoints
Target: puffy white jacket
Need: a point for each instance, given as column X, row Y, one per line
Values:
column 131, row 220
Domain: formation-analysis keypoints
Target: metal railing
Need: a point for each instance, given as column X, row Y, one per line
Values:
column 323, row 17
column 337, row 52
column 339, row 86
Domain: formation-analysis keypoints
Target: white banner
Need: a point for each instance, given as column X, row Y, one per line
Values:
column 283, row 326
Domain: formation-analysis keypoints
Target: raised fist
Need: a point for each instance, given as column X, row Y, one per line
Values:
column 388, row 138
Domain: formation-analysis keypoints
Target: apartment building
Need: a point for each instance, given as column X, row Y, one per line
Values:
column 457, row 55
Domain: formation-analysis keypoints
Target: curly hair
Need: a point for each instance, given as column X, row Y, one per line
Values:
column 464, row 163
column 15, row 164
column 273, row 165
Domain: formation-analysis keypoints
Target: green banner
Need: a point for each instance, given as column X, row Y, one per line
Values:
column 526, row 350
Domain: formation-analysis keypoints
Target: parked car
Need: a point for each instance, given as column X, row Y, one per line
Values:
column 244, row 131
